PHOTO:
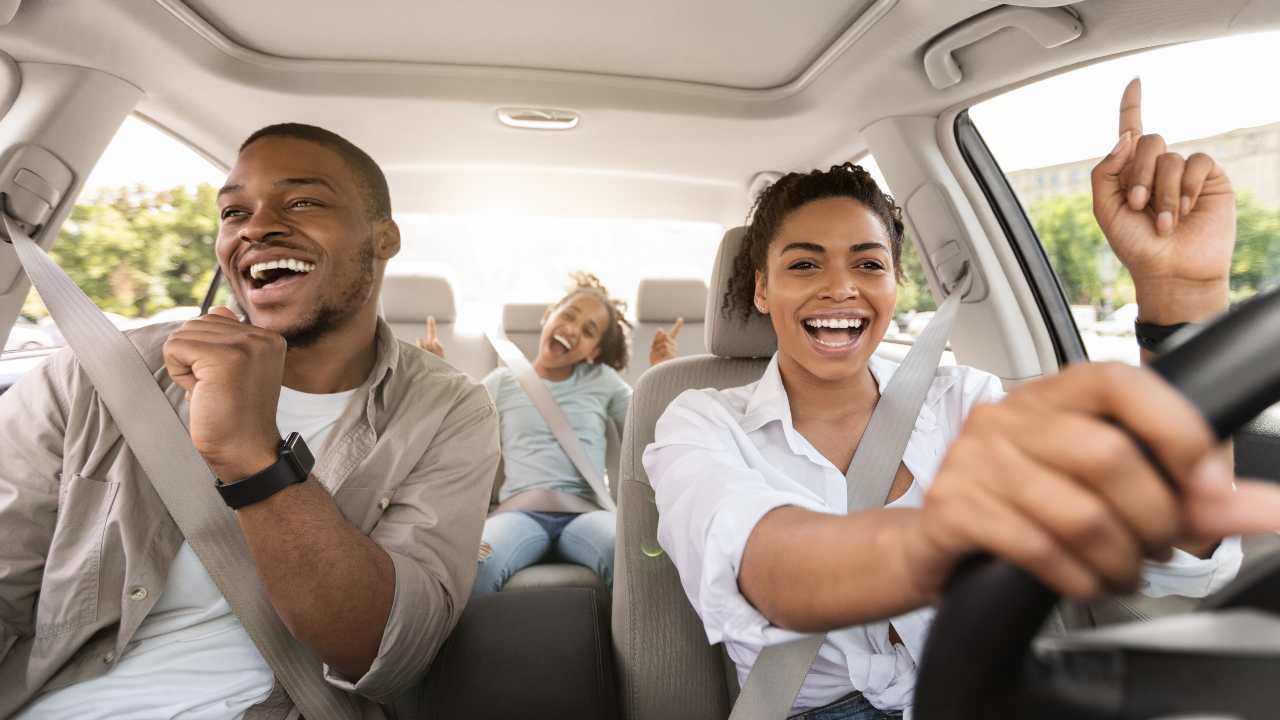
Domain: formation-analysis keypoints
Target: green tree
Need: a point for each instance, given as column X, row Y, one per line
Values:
column 1255, row 265
column 136, row 252
column 1075, row 245
column 1091, row 275
column 913, row 290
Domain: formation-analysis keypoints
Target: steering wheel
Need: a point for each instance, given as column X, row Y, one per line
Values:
column 1223, row 660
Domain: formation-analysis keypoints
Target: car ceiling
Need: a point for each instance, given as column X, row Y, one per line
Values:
column 681, row 104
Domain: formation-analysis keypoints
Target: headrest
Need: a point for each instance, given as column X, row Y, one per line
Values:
column 523, row 317
column 412, row 297
column 664, row 300
column 729, row 335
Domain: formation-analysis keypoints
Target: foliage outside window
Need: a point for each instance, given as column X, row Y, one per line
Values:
column 1047, row 137
column 136, row 252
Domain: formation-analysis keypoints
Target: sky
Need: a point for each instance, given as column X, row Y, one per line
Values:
column 1189, row 91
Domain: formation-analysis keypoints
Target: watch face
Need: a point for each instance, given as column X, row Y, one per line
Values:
column 299, row 455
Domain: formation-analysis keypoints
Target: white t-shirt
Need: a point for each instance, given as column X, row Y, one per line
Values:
column 190, row 658
column 721, row 459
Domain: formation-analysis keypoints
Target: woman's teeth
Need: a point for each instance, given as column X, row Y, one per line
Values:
column 836, row 323
column 834, row 333
column 562, row 341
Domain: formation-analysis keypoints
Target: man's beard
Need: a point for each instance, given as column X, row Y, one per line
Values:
column 332, row 312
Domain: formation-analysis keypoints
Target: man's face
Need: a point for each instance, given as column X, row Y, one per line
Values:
column 830, row 288
column 295, row 242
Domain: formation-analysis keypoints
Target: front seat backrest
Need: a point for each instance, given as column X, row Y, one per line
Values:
column 659, row 302
column 666, row 668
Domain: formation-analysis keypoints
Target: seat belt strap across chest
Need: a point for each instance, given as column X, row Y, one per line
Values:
column 552, row 414
column 157, row 437
column 778, row 673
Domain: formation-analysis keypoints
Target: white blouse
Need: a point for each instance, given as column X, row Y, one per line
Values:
column 722, row 459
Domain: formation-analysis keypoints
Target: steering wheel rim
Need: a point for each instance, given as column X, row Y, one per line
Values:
column 978, row 660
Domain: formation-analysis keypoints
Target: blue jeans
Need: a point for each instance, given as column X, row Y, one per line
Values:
column 850, row 707
column 516, row 540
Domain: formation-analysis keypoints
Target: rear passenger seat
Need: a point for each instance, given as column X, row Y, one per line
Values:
column 522, row 324
column 659, row 303
column 408, row 299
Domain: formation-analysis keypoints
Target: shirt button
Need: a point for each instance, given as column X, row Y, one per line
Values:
column 138, row 593
column 109, row 658
column 384, row 503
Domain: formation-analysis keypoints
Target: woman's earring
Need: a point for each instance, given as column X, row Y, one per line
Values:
column 760, row 308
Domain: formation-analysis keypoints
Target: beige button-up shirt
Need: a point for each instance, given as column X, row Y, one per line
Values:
column 86, row 543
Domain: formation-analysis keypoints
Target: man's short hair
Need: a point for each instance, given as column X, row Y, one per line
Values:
column 369, row 177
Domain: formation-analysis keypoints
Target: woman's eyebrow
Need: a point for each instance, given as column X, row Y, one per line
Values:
column 816, row 248
column 805, row 246
column 859, row 247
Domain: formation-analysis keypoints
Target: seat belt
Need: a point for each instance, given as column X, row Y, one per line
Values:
column 779, row 671
column 156, row 435
column 552, row 413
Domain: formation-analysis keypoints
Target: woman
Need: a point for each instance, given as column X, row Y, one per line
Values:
column 749, row 482
column 545, row 506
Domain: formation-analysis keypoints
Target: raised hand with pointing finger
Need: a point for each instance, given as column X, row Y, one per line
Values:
column 1170, row 220
column 663, row 347
column 431, row 342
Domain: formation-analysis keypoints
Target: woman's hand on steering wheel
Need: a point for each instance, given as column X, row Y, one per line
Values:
column 1051, row 479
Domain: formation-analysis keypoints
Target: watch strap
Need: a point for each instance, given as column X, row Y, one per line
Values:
column 1152, row 337
column 293, row 465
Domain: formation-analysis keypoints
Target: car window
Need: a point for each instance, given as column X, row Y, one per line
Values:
column 140, row 239
column 493, row 260
column 1200, row 97
column 915, row 304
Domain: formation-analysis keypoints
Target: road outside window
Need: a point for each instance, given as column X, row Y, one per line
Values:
column 1201, row 97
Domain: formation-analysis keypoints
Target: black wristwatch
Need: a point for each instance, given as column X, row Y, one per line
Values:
column 293, row 465
column 1152, row 337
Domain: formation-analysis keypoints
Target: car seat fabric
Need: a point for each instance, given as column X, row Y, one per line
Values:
column 522, row 324
column 666, row 668
column 659, row 303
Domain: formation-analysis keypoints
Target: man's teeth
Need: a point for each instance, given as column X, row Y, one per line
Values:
column 834, row 323
column 299, row 266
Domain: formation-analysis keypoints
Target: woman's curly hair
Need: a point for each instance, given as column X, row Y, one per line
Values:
column 777, row 201
column 615, row 341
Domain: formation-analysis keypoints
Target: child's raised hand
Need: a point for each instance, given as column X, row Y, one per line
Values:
column 431, row 343
column 664, row 343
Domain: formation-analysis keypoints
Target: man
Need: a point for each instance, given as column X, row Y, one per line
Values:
column 104, row 609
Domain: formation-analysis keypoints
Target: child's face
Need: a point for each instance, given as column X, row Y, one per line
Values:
column 572, row 331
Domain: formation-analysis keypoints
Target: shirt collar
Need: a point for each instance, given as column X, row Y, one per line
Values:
column 769, row 401
column 384, row 365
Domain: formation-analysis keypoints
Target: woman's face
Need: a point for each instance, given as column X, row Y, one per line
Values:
column 571, row 332
column 829, row 288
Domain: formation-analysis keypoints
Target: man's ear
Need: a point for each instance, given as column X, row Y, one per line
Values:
column 386, row 239
column 761, row 294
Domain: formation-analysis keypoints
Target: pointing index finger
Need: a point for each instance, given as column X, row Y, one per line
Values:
column 675, row 329
column 1131, row 109
column 431, row 328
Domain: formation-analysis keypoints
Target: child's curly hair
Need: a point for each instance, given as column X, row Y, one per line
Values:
column 615, row 342
column 791, row 191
